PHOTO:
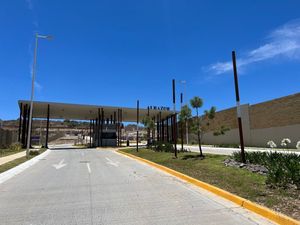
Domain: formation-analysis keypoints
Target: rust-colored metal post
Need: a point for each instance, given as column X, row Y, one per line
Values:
column 238, row 107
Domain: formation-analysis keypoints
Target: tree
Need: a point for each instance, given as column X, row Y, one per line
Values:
column 211, row 113
column 149, row 124
column 197, row 103
column 208, row 116
column 184, row 115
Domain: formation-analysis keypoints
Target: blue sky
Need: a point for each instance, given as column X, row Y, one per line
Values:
column 114, row 52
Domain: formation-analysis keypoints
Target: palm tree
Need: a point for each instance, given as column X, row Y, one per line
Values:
column 184, row 115
column 210, row 114
column 197, row 103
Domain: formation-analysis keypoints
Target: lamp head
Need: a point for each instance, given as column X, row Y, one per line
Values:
column 48, row 37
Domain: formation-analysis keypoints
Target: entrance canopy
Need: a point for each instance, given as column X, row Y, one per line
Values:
column 89, row 112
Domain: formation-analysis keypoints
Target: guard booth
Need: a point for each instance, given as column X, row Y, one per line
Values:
column 105, row 122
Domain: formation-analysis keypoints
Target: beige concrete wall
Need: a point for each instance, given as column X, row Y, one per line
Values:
column 258, row 137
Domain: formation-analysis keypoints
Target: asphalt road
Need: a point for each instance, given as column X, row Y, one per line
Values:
column 88, row 186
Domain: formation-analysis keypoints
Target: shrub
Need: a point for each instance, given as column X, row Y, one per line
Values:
column 168, row 147
column 228, row 145
column 15, row 147
column 283, row 169
column 34, row 153
column 161, row 146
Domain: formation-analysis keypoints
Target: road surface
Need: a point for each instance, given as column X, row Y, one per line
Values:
column 88, row 186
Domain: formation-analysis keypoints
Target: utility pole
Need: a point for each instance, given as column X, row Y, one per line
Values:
column 174, row 119
column 238, row 107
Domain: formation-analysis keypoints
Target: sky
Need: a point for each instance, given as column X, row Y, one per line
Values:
column 114, row 52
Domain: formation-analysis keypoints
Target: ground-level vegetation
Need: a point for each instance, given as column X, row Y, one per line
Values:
column 238, row 181
column 16, row 162
column 11, row 149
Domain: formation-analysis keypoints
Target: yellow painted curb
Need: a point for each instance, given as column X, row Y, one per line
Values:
column 261, row 210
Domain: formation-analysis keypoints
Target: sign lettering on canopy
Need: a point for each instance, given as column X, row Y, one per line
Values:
column 161, row 108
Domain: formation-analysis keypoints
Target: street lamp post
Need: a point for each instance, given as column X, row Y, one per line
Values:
column 37, row 36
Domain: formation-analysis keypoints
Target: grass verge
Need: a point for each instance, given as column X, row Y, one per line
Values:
column 237, row 181
column 16, row 162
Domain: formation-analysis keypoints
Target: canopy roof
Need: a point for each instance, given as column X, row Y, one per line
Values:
column 87, row 112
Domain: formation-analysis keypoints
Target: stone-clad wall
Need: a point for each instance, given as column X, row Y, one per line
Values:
column 276, row 113
column 225, row 117
column 271, row 120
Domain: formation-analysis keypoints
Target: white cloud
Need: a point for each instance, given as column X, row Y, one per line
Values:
column 283, row 41
column 38, row 86
column 29, row 4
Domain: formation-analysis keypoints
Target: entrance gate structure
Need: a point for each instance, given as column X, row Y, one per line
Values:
column 105, row 122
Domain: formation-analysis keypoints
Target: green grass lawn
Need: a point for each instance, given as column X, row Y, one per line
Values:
column 6, row 151
column 16, row 162
column 235, row 180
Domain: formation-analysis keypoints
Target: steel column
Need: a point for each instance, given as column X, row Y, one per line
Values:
column 101, row 127
column 137, row 124
column 24, row 123
column 47, row 128
column 90, row 133
column 167, row 126
column 20, row 122
column 27, row 124
column 174, row 109
column 157, row 127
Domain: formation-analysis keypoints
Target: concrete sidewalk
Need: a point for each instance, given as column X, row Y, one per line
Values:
column 12, row 157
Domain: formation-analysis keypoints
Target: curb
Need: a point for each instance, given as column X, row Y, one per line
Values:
column 258, row 209
column 21, row 167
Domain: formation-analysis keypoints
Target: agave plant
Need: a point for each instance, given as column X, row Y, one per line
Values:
column 271, row 144
column 285, row 142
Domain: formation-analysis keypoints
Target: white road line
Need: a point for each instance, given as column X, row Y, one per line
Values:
column 89, row 168
column 82, row 153
column 61, row 164
column 110, row 162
